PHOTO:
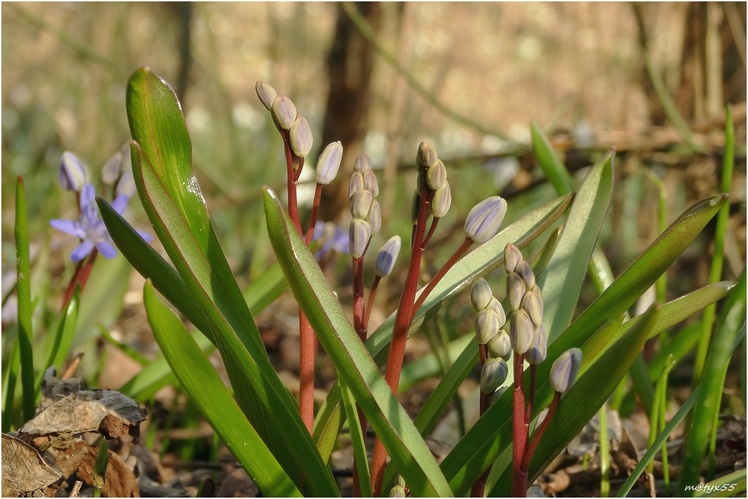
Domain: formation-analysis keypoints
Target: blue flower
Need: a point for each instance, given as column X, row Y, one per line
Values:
column 333, row 239
column 90, row 227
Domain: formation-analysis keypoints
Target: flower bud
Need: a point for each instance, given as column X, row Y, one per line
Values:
column 441, row 201
column 521, row 332
column 426, row 155
column 515, row 290
column 126, row 184
column 484, row 219
column 436, row 175
column 533, row 305
column 387, row 256
column 300, row 137
column 492, row 375
column 359, row 234
column 524, row 270
column 500, row 345
column 565, row 369
column 284, row 112
column 539, row 348
column 480, row 294
column 487, row 325
column 362, row 163
column 72, row 174
column 112, row 169
column 370, row 182
column 512, row 257
column 266, row 93
column 356, row 184
column 415, row 206
column 375, row 217
column 328, row 163
column 397, row 491
column 495, row 305
column 361, row 204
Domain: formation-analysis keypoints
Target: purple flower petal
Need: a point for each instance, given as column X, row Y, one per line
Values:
column 120, row 203
column 87, row 196
column 106, row 249
column 146, row 236
column 81, row 251
column 69, row 227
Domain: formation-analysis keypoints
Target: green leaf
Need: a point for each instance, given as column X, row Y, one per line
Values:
column 549, row 161
column 62, row 339
column 23, row 292
column 199, row 378
column 382, row 409
column 358, row 440
column 562, row 280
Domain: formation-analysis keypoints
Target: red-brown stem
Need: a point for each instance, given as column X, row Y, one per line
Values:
column 297, row 172
column 80, row 277
column 403, row 319
column 359, row 324
column 313, row 218
column 308, row 348
column 442, row 271
column 539, row 432
column 531, row 396
column 293, row 207
column 480, row 485
column 519, row 430
column 434, row 223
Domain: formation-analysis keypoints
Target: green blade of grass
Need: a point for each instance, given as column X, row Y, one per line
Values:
column 355, row 366
column 207, row 391
column 23, row 292
column 358, row 440
column 63, row 338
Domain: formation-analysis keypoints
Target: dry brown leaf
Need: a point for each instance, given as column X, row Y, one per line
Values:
column 25, row 473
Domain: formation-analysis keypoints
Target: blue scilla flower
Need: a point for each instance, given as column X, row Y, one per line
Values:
column 90, row 227
column 333, row 239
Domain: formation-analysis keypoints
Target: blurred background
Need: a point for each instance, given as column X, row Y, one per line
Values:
column 650, row 79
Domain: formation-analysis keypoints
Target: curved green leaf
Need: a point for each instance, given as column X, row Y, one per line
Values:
column 549, row 161
column 359, row 372
column 562, row 280
column 62, row 339
column 199, row 378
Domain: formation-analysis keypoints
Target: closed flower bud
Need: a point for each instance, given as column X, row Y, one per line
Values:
column 328, row 163
column 533, row 305
column 284, row 112
column 495, row 305
column 521, row 332
column 359, row 234
column 387, row 256
column 361, row 204
column 484, row 219
column 300, row 137
column 565, row 369
column 512, row 257
column 539, row 348
column 441, row 201
column 500, row 345
column 375, row 217
column 370, row 182
column 426, row 155
column 362, row 163
column 112, row 169
column 524, row 270
column 487, row 325
column 126, row 184
column 397, row 491
column 266, row 93
column 436, row 175
column 356, row 184
column 72, row 174
column 480, row 294
column 492, row 375
column 515, row 290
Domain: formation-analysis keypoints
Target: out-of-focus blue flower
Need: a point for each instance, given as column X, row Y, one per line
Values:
column 90, row 227
column 333, row 239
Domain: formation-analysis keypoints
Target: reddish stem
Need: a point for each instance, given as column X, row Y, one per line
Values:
column 539, row 433
column 80, row 277
column 531, row 397
column 308, row 349
column 358, row 298
column 479, row 486
column 519, row 430
column 313, row 218
column 403, row 319
column 434, row 223
column 293, row 207
column 442, row 271
column 370, row 300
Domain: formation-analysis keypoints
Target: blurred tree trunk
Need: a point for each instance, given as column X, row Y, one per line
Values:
column 350, row 62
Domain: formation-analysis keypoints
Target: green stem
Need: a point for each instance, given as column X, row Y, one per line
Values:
column 604, row 452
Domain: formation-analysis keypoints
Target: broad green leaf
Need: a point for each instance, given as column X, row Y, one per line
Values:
column 359, row 372
column 465, row 272
column 549, row 161
column 727, row 329
column 199, row 378
column 63, row 338
column 562, row 280
column 172, row 200
column 23, row 293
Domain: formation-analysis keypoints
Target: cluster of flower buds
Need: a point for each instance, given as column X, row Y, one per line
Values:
column 489, row 323
column 527, row 333
column 287, row 118
column 365, row 211
column 432, row 182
